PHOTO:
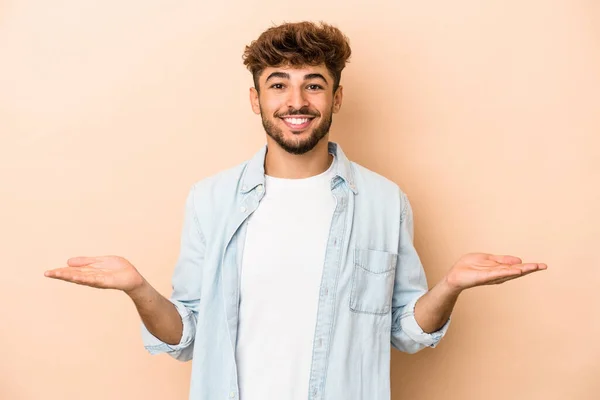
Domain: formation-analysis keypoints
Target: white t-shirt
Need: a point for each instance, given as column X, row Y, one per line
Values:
column 281, row 273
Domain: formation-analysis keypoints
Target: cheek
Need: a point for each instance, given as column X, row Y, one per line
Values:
column 322, row 103
column 271, row 106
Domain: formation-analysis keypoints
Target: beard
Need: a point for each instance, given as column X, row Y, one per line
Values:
column 296, row 145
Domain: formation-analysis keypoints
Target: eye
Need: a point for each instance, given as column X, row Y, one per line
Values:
column 277, row 86
column 314, row 86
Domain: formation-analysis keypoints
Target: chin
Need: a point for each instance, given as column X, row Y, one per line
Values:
column 307, row 133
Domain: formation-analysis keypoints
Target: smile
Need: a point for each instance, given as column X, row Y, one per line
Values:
column 297, row 123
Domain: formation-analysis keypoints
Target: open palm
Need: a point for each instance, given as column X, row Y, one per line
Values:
column 477, row 269
column 107, row 272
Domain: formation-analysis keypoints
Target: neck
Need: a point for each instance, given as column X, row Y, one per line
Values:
column 281, row 164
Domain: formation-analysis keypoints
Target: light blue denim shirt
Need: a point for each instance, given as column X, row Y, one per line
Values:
column 372, row 278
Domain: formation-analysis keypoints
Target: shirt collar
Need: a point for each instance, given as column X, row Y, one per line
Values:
column 254, row 174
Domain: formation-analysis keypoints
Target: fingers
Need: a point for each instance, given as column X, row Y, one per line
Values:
column 91, row 279
column 64, row 273
column 529, row 267
column 82, row 276
column 502, row 273
column 81, row 261
column 512, row 262
column 510, row 278
column 508, row 273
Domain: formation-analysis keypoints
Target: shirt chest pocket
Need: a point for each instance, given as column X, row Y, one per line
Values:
column 372, row 281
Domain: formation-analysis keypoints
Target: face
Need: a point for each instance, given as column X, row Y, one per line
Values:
column 296, row 105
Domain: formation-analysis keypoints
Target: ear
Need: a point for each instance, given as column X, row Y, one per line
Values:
column 337, row 99
column 254, row 102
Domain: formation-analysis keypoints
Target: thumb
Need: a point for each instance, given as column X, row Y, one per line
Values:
column 505, row 259
column 81, row 261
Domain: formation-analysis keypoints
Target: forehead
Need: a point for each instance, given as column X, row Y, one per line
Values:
column 298, row 72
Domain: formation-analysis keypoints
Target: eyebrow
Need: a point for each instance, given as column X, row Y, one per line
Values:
column 285, row 75
column 315, row 76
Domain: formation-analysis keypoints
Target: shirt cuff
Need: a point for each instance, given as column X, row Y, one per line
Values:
column 155, row 346
column 410, row 326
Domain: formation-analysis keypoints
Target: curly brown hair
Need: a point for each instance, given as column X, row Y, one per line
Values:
column 299, row 44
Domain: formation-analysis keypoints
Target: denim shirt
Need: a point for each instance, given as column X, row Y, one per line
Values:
column 372, row 277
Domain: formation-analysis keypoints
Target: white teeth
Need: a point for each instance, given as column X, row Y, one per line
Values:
column 297, row 121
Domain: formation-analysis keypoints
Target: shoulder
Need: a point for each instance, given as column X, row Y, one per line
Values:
column 216, row 192
column 380, row 190
column 373, row 182
column 226, row 180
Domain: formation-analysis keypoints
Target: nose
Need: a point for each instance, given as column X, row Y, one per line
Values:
column 297, row 99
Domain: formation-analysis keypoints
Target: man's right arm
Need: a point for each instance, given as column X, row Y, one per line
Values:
column 168, row 325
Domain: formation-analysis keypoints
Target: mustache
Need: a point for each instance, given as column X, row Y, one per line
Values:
column 302, row 111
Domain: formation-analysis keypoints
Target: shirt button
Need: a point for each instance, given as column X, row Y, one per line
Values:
column 232, row 395
column 259, row 189
column 243, row 209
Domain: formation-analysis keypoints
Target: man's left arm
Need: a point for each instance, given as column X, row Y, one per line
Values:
column 420, row 317
column 433, row 309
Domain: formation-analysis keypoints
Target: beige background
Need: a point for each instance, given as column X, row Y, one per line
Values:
column 486, row 113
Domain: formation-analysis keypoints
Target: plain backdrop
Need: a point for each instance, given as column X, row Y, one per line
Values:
column 487, row 114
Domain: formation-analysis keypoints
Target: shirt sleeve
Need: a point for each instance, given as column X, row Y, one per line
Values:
column 409, row 285
column 186, row 285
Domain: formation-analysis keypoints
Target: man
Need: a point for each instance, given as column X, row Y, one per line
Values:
column 297, row 271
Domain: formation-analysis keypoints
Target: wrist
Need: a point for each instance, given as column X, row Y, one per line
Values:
column 450, row 287
column 139, row 291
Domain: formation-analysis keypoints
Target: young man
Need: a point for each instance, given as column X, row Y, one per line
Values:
column 297, row 271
